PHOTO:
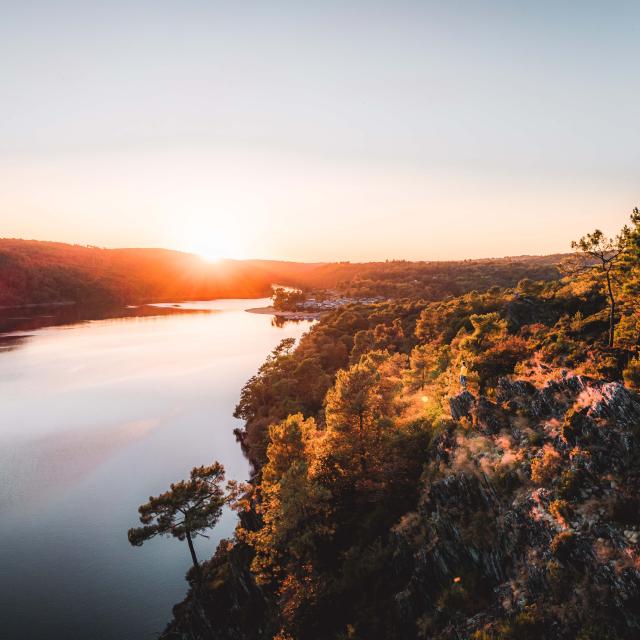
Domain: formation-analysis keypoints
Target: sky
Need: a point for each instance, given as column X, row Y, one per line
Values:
column 319, row 131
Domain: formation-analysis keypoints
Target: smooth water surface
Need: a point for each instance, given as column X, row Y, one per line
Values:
column 94, row 418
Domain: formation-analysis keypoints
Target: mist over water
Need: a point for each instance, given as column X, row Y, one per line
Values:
column 94, row 418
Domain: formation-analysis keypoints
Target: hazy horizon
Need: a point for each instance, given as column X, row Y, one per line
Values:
column 268, row 259
column 330, row 132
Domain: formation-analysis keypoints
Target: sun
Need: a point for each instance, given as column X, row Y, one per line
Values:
column 215, row 251
column 210, row 256
column 213, row 237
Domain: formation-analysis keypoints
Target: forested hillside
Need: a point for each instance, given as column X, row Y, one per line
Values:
column 391, row 499
column 428, row 280
column 45, row 272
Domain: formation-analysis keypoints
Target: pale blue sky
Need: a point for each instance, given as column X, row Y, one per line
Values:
column 319, row 130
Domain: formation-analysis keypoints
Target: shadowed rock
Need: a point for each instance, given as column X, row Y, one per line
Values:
column 460, row 405
column 489, row 417
column 569, row 538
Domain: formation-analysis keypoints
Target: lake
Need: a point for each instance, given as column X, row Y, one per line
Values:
column 94, row 418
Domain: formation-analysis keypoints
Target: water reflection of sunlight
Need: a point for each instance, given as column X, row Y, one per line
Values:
column 97, row 416
column 41, row 468
column 30, row 319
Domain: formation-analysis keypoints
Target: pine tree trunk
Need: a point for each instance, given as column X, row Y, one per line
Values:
column 612, row 310
column 193, row 552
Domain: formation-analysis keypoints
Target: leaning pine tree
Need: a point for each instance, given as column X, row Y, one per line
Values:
column 188, row 509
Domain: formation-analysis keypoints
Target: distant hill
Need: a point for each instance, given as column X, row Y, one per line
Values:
column 35, row 272
column 40, row 272
column 427, row 280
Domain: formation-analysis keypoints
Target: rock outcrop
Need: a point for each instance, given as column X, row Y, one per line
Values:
column 527, row 527
column 461, row 405
column 486, row 416
column 535, row 533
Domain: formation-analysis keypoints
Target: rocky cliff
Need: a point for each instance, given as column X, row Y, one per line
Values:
column 528, row 525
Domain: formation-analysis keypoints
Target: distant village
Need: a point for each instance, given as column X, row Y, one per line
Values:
column 333, row 303
column 294, row 303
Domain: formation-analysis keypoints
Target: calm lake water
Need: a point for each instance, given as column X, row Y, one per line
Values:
column 94, row 418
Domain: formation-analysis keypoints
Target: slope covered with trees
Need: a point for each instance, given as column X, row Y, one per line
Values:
column 33, row 272
column 389, row 502
column 428, row 280
column 44, row 272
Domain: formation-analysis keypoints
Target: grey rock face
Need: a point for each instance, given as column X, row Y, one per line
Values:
column 566, row 542
column 461, row 405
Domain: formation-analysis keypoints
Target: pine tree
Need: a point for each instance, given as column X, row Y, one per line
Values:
column 188, row 509
column 600, row 257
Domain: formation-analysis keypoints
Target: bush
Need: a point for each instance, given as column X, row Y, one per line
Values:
column 469, row 595
column 631, row 374
column 563, row 545
column 559, row 579
column 524, row 626
column 570, row 483
column 481, row 635
column 545, row 468
column 560, row 510
column 577, row 426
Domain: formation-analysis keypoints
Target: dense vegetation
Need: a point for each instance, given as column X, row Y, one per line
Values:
column 287, row 300
column 44, row 272
column 428, row 280
column 388, row 503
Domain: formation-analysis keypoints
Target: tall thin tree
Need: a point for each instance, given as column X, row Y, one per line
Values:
column 600, row 255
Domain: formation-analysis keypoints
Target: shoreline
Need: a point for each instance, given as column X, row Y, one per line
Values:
column 289, row 315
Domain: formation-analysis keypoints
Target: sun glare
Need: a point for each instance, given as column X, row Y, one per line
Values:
column 212, row 238
column 214, row 252
column 210, row 256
